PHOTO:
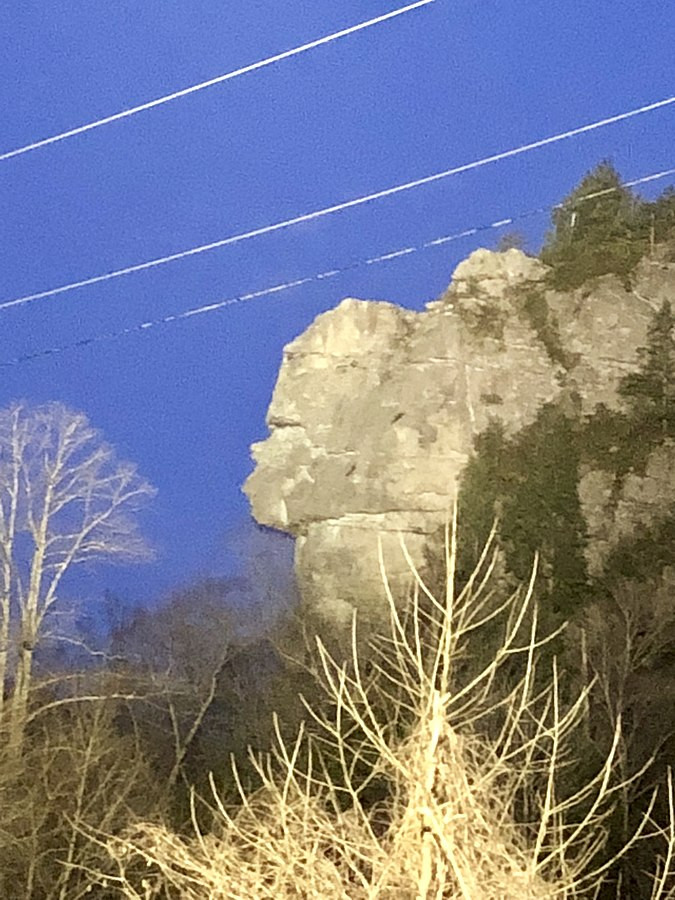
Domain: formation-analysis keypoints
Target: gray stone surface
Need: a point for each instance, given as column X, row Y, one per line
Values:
column 376, row 408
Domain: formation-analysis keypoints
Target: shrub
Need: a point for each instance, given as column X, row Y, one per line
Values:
column 447, row 825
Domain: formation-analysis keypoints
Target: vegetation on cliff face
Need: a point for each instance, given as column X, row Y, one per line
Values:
column 531, row 302
column 530, row 480
column 650, row 391
column 620, row 441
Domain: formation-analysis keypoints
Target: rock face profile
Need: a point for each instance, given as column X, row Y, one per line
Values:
column 376, row 408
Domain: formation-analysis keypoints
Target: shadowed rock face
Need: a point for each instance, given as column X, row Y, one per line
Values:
column 376, row 407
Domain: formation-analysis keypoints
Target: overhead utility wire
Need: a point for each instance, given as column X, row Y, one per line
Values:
column 338, row 207
column 176, row 95
column 321, row 276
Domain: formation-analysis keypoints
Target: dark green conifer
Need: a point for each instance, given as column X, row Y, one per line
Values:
column 597, row 229
column 650, row 391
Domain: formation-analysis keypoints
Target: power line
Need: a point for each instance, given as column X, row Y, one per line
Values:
column 321, row 276
column 338, row 207
column 176, row 95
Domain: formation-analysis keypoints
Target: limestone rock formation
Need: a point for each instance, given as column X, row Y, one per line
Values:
column 376, row 407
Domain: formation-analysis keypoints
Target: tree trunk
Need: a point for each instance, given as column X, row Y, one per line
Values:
column 30, row 619
column 19, row 703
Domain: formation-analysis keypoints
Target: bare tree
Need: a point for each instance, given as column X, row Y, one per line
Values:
column 209, row 648
column 625, row 642
column 445, row 825
column 64, row 500
column 78, row 774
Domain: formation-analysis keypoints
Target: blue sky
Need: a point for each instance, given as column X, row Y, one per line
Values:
column 437, row 87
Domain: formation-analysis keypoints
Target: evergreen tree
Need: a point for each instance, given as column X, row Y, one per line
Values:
column 529, row 481
column 484, row 482
column 650, row 391
column 597, row 229
column 541, row 509
column 511, row 240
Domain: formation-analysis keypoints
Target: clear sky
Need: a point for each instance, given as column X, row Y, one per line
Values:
column 440, row 86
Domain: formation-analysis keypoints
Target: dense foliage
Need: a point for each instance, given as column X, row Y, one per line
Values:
column 530, row 479
column 604, row 227
column 530, row 482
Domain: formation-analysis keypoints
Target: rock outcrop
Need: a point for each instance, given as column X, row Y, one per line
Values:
column 376, row 408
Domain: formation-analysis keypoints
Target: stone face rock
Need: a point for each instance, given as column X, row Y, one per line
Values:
column 376, row 408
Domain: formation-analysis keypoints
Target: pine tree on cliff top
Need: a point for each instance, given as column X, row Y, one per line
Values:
column 597, row 235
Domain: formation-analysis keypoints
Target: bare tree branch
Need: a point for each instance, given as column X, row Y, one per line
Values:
column 64, row 500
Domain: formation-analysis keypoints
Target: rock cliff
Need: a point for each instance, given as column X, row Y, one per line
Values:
column 376, row 407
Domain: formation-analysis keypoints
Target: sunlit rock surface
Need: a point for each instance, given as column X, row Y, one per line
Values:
column 376, row 407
